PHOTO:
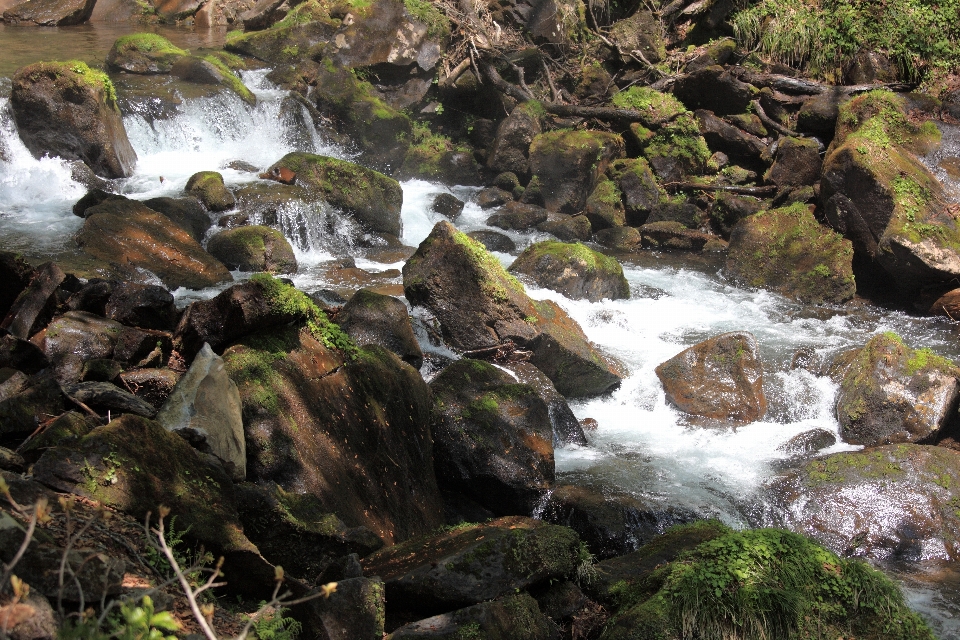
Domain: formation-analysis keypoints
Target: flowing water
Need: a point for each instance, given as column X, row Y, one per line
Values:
column 642, row 446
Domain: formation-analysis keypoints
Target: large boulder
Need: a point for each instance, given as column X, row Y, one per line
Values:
column 36, row 303
column 638, row 188
column 480, row 305
column 187, row 212
column 574, row 270
column 788, row 251
column 212, row 70
column 145, row 53
column 371, row 198
column 641, row 31
column 511, row 147
column 512, row 617
column 566, row 426
column 75, row 338
column 796, row 163
column 715, row 89
column 253, row 248
column 718, row 379
column 569, row 163
column 892, row 393
column 208, row 188
column 50, row 13
column 138, row 238
column 492, row 437
column 470, row 564
column 373, row 318
column 739, row 145
column 893, row 501
column 69, row 110
column 141, row 305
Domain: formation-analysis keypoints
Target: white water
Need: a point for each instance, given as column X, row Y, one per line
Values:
column 642, row 446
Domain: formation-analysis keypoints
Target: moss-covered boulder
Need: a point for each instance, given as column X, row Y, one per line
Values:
column 880, row 196
column 511, row 617
column 434, row 157
column 253, row 248
column 641, row 31
column 211, row 70
column 604, row 207
column 128, row 233
column 511, row 146
column 639, row 191
column 208, row 187
column 146, row 53
column 677, row 149
column 567, row 228
column 518, row 216
column 493, row 440
column 305, row 28
column 574, row 270
column 66, row 428
column 349, row 426
column 892, row 393
column 480, row 305
column 370, row 197
column 718, row 379
column 69, row 110
column 788, row 251
column 715, row 89
column 655, row 107
column 472, row 563
column 75, row 338
column 675, row 236
column 569, row 163
column 897, row 501
column 796, row 163
column 21, row 412
column 373, row 318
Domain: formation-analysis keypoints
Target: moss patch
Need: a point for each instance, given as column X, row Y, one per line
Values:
column 438, row 25
column 657, row 108
column 231, row 80
column 680, row 139
column 147, row 43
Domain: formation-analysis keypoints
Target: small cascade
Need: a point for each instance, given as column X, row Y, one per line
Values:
column 944, row 160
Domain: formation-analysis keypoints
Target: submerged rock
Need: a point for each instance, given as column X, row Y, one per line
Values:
column 574, row 270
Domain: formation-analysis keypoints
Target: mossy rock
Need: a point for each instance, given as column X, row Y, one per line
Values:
column 67, row 427
column 640, row 192
column 568, row 164
column 306, row 28
column 604, row 206
column 655, row 107
column 512, row 616
column 788, row 251
column 679, row 146
column 574, row 270
column 253, row 248
column 208, row 187
column 434, row 157
column 892, row 393
column 372, row 198
column 144, row 53
column 211, row 70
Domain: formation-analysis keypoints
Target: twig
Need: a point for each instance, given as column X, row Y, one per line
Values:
column 747, row 191
column 770, row 122
column 455, row 73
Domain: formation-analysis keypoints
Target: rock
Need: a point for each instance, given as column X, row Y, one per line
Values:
column 677, row 149
column 32, row 619
column 50, row 13
column 717, row 52
column 566, row 427
column 808, row 442
column 871, row 67
column 573, row 270
column 187, row 213
column 141, row 305
column 889, row 502
column 569, row 163
column 208, row 187
column 788, row 251
column 92, row 198
column 204, row 408
column 211, row 70
column 21, row 355
column 92, row 297
column 69, row 110
column 372, row 318
column 153, row 385
column 145, row 53
column 715, row 89
column 492, row 437
column 736, row 143
column 352, row 430
column 285, row 42
column 642, row 32
column 511, row 147
column 253, row 248
column 12, row 461
column 437, row 159
column 494, row 241
column 355, row 611
column 34, row 307
column 473, row 563
column 448, row 205
column 891, row 393
column 492, row 197
column 604, row 207
column 675, row 236
column 294, row 531
column 129, row 233
column 511, row 617
column 108, row 397
column 518, row 216
column 638, row 188
column 100, row 370
column 797, row 163
column 143, row 347
column 677, row 210
column 566, row 228
column 719, row 379
column 15, row 274
column 618, row 238
column 819, row 113
column 266, row 203
column 66, row 428
column 76, row 337
column 729, row 209
column 264, row 13
column 947, row 305
column 491, row 307
column 370, row 197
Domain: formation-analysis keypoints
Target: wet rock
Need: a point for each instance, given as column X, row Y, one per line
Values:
column 566, row 427
column 145, row 53
column 674, row 235
column 15, row 274
column 788, row 251
column 372, row 318
column 355, row 611
column 567, row 228
column 797, row 163
column 448, row 205
column 253, row 248
column 492, row 197
column 518, row 216
column 809, row 442
column 76, row 337
column 569, row 163
column 92, row 198
column 142, row 347
column 494, row 241
column 733, row 141
column 187, row 213
column 100, row 370
column 108, row 398
column 131, row 234
column 208, row 187
column 264, row 13
column 141, row 305
column 50, row 13
column 511, row 147
column 21, row 355
column 871, row 67
column 714, row 89
column 891, row 393
column 13, row 383
column 204, row 409
column 152, row 385
column 66, row 428
column 439, row 161
column 638, row 188
column 70, row 111
column 34, row 307
column 474, row 563
column 370, row 197
column 492, row 438
column 720, row 379
column 885, row 502
column 479, row 305
column 574, row 270
column 504, row 618
column 619, row 238
column 266, row 203
column 211, row 70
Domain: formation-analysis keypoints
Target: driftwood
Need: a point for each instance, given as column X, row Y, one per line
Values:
column 803, row 86
column 770, row 122
column 507, row 351
column 744, row 191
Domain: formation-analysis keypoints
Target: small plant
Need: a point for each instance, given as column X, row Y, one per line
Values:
column 275, row 625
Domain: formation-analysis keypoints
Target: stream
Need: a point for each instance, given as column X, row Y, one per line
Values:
column 642, row 446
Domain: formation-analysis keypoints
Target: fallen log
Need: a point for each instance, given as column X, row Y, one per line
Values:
column 743, row 191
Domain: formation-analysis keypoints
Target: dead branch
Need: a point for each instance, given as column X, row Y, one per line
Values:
column 746, row 191
column 803, row 86
column 770, row 122
column 455, row 73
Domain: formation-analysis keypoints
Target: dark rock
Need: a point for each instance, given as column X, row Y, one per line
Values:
column 208, row 187
column 141, row 305
column 264, row 13
column 809, row 442
column 749, row 122
column 719, row 379
column 92, row 297
column 641, row 31
column 143, row 347
column 13, row 383
column 15, row 275
column 567, row 228
column 674, row 235
column 715, row 53
column 604, row 207
column 638, row 187
column 108, row 397
column 211, row 70
column 508, row 181
column 12, row 461
column 22, row 413
column 681, row 211
column 50, row 13
column 276, row 45
column 797, row 163
column 37, row 620
column 494, row 241
column 21, row 355
column 509, row 617
column 34, row 307
column 69, row 110
column 733, row 141
column 566, row 427
column 819, row 113
column 145, row 53
column 74, row 338
column 493, row 439
column 187, row 213
column 574, row 270
column 66, row 428
column 100, row 370
column 511, row 147
column 128, row 233
column 372, row 318
column 619, row 238
column 152, row 385
column 518, row 216
column 265, row 203
column 343, row 568
column 448, row 205
column 253, row 248
column 492, row 197
column 92, row 198
column 568, row 165
column 729, row 209
column 355, row 611
column 871, row 67
column 714, row 89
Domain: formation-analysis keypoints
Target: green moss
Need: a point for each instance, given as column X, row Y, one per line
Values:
column 534, row 109
column 568, row 252
column 496, row 279
column 94, row 78
column 925, row 359
column 147, row 43
column 680, row 139
column 231, row 80
column 438, row 26
column 657, row 107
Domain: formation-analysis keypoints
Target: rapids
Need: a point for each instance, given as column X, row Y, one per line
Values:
column 642, row 446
